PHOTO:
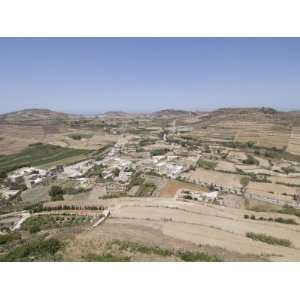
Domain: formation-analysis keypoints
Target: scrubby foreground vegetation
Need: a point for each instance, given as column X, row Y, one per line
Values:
column 132, row 247
column 33, row 250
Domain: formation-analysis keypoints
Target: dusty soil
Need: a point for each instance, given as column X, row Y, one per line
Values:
column 209, row 176
column 174, row 224
column 172, row 186
column 97, row 241
column 15, row 138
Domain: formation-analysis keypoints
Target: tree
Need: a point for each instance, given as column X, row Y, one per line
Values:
column 34, row 229
column 297, row 196
column 244, row 182
column 250, row 144
column 56, row 193
column 116, row 172
column 250, row 161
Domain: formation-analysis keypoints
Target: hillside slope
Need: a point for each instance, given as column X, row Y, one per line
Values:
column 32, row 115
column 264, row 126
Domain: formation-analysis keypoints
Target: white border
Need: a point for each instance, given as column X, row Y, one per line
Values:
column 72, row 18
column 149, row 18
column 149, row 281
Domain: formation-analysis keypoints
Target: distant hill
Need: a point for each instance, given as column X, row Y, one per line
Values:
column 116, row 114
column 246, row 110
column 165, row 113
column 33, row 115
column 265, row 126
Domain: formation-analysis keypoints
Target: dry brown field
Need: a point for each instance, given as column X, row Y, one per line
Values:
column 172, row 186
column 15, row 138
column 209, row 176
column 189, row 225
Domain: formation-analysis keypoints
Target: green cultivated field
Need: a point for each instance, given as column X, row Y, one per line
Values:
column 41, row 155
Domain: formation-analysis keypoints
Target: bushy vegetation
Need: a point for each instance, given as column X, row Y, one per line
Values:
column 56, row 193
column 105, row 258
column 95, row 171
column 250, row 160
column 146, row 189
column 6, row 238
column 250, row 144
column 289, row 210
column 37, row 223
column 33, row 250
column 207, row 164
column 277, row 220
column 73, row 207
column 38, row 154
column 74, row 190
column 288, row 170
column 244, row 181
column 77, row 136
column 288, row 184
column 161, row 151
column 136, row 179
column 146, row 142
column 190, row 256
column 136, row 247
column 182, row 254
column 34, row 208
column 268, row 239
column 233, row 144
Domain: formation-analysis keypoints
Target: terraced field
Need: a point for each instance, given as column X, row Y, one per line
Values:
column 40, row 154
column 172, row 224
column 294, row 141
column 266, row 129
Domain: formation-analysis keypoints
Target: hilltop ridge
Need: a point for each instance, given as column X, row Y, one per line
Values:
column 33, row 114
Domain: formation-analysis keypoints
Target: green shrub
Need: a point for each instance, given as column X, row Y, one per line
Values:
column 285, row 221
column 250, row 144
column 290, row 210
column 196, row 256
column 157, row 152
column 105, row 258
column 288, row 170
column 268, row 239
column 34, row 229
column 244, row 181
column 270, row 219
column 136, row 247
column 31, row 250
column 250, row 160
column 6, row 238
column 56, row 193
column 207, row 164
column 34, row 208
column 183, row 255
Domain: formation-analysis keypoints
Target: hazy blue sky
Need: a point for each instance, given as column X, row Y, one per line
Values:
column 146, row 74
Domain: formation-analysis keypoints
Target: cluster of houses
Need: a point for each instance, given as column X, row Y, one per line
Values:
column 24, row 178
column 165, row 165
column 78, row 170
column 30, row 177
column 8, row 194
